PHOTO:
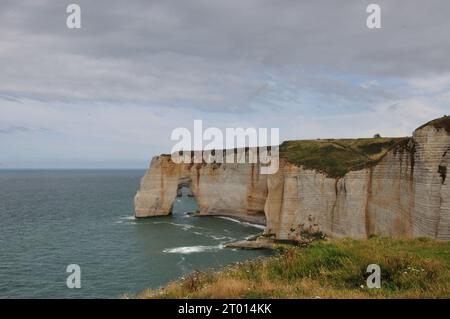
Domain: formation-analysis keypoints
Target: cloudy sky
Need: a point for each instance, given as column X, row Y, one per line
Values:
column 108, row 95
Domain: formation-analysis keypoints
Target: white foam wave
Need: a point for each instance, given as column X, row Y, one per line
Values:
column 128, row 218
column 220, row 237
column 125, row 220
column 198, row 233
column 242, row 222
column 184, row 226
column 215, row 237
column 192, row 249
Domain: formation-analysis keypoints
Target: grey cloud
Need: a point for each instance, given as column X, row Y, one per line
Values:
column 214, row 55
column 14, row 129
column 22, row 129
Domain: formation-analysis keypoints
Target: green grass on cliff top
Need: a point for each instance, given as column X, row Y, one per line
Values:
column 336, row 157
column 440, row 123
column 418, row 268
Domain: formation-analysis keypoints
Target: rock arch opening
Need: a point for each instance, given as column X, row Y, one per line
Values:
column 185, row 201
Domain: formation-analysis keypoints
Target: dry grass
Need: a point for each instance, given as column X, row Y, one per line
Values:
column 410, row 269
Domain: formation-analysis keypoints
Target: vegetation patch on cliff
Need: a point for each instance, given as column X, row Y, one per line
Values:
column 417, row 268
column 336, row 157
column 440, row 123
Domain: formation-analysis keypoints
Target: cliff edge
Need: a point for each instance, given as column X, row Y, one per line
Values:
column 394, row 187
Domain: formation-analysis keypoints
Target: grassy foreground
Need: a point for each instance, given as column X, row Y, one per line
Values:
column 417, row 268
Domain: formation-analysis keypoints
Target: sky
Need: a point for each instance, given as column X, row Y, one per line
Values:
column 108, row 95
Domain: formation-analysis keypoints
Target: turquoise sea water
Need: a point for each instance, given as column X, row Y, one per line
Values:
column 50, row 219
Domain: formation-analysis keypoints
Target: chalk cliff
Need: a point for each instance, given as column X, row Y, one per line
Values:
column 222, row 189
column 401, row 191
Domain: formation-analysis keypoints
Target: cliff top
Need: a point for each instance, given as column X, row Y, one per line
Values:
column 440, row 123
column 336, row 157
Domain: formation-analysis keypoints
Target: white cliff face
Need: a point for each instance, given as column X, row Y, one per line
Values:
column 302, row 200
column 431, row 213
column 226, row 189
column 406, row 194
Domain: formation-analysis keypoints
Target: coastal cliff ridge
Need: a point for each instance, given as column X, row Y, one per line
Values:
column 396, row 187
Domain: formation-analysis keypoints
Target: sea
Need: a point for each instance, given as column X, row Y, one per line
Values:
column 50, row 219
